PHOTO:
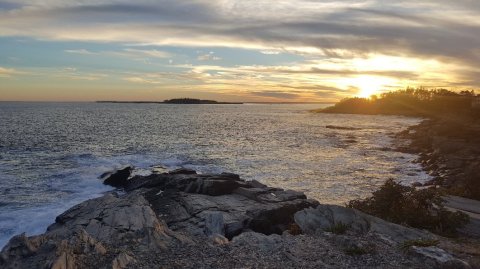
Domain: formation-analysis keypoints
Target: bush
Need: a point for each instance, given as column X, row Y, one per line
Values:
column 405, row 205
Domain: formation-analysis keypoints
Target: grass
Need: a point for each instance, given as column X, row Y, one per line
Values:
column 338, row 228
column 422, row 242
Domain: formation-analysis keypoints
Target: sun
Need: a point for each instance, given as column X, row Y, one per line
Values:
column 370, row 85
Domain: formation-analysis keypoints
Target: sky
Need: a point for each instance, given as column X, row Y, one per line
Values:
column 262, row 50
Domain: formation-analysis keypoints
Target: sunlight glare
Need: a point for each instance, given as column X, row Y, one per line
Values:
column 370, row 85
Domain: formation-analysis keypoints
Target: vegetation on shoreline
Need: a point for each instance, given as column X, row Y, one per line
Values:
column 406, row 205
column 446, row 144
column 409, row 102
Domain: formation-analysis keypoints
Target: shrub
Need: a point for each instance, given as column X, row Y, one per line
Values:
column 405, row 205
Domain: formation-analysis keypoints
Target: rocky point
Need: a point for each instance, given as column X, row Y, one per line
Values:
column 181, row 219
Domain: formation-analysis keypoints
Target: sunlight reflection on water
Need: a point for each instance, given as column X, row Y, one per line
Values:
column 52, row 153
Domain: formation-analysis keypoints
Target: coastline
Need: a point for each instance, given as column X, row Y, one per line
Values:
column 73, row 173
column 223, row 221
column 449, row 150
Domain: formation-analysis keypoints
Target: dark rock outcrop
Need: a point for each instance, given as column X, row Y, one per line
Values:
column 163, row 220
column 118, row 178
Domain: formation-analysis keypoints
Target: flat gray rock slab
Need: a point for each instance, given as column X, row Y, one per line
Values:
column 469, row 207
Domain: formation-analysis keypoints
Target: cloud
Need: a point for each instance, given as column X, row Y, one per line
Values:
column 422, row 42
column 8, row 72
column 270, row 52
column 73, row 73
column 276, row 94
column 80, row 51
column 208, row 57
column 165, row 78
column 147, row 53
column 422, row 29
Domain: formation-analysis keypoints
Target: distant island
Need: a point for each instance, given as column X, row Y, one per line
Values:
column 177, row 101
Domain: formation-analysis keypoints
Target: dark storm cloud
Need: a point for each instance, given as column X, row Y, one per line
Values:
column 175, row 12
column 5, row 5
column 375, row 28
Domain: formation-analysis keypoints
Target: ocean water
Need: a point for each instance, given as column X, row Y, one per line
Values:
column 51, row 154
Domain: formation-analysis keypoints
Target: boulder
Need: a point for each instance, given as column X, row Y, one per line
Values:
column 112, row 219
column 326, row 217
column 118, row 179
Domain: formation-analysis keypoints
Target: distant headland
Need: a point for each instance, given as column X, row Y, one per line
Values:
column 433, row 103
column 447, row 140
column 177, row 101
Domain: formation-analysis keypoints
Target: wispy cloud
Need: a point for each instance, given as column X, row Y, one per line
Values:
column 421, row 28
column 8, row 72
column 208, row 57
column 128, row 52
column 147, row 53
column 75, row 74
column 80, row 51
column 422, row 42
column 276, row 94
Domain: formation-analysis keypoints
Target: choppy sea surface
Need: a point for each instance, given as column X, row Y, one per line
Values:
column 51, row 154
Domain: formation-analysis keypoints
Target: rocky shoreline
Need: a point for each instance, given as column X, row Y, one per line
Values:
column 182, row 219
column 449, row 150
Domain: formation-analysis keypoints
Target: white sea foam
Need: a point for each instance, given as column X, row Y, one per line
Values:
column 77, row 185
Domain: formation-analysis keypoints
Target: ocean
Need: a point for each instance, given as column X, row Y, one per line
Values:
column 52, row 154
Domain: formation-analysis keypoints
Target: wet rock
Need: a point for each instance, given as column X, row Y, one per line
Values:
column 255, row 184
column 218, row 187
column 119, row 178
column 341, row 127
column 182, row 171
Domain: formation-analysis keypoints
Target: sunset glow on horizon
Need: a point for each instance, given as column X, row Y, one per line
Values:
column 262, row 51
